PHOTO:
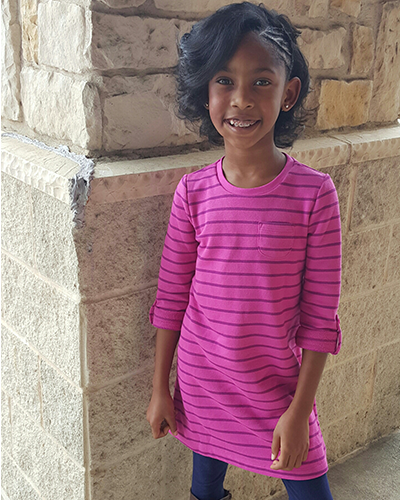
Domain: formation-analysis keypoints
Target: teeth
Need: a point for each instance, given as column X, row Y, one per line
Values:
column 244, row 124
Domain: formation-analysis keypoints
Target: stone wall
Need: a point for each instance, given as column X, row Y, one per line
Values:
column 106, row 67
column 78, row 348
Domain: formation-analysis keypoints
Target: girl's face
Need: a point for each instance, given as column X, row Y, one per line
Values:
column 246, row 97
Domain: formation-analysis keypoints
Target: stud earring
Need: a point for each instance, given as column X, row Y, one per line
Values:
column 206, row 105
column 287, row 106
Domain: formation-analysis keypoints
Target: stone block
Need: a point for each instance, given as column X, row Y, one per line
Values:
column 110, row 230
column 139, row 476
column 345, row 435
column 120, row 338
column 394, row 255
column 323, row 49
column 385, row 102
column 14, row 483
column 117, row 418
column 120, row 4
column 191, row 5
column 10, row 62
column 79, row 116
column 364, row 258
column 6, row 429
column 376, row 198
column 349, row 7
column 319, row 8
column 363, row 50
column 177, row 465
column 41, row 314
column 30, row 39
column 244, row 484
column 64, row 36
column 62, row 410
column 53, row 472
column 133, row 42
column 53, row 239
column 368, row 322
column 336, row 397
column 141, row 114
column 344, row 104
column 20, row 373
column 16, row 219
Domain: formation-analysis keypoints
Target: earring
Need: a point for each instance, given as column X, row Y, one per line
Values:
column 287, row 106
column 206, row 105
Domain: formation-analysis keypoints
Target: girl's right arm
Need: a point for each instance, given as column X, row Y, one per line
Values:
column 161, row 411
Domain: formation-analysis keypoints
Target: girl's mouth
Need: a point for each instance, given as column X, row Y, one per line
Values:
column 242, row 124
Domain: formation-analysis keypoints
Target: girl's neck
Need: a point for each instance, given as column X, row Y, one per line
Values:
column 248, row 169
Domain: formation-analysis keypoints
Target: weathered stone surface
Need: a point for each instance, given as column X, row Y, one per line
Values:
column 55, row 249
column 42, row 315
column 77, row 102
column 385, row 102
column 117, row 422
column 120, row 338
column 141, row 114
column 62, row 411
column 349, row 7
column 6, row 440
column 394, row 255
column 64, row 36
column 323, row 50
column 364, row 258
column 245, row 485
column 29, row 12
column 138, row 225
column 363, row 50
column 13, row 481
column 319, row 8
column 16, row 219
column 190, row 5
column 344, row 104
column 46, row 463
column 20, row 373
column 133, row 42
column 120, row 4
column 177, row 461
column 368, row 322
column 10, row 61
column 377, row 193
column 336, row 397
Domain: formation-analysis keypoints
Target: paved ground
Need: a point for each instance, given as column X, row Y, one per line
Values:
column 373, row 474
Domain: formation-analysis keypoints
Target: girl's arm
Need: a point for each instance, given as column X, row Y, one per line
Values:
column 161, row 412
column 291, row 434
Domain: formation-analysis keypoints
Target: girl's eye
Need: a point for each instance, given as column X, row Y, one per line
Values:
column 223, row 81
column 262, row 83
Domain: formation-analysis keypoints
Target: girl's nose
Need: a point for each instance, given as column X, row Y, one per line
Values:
column 241, row 98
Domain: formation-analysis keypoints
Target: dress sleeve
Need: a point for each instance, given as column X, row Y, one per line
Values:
column 319, row 323
column 177, row 267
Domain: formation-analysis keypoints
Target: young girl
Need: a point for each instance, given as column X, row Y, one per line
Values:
column 250, row 273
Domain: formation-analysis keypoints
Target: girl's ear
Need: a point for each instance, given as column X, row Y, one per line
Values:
column 291, row 94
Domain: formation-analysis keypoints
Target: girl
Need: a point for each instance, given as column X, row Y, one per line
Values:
column 250, row 273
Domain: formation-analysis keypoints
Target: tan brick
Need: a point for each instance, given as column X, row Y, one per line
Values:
column 319, row 8
column 363, row 50
column 13, row 481
column 385, row 102
column 344, row 104
column 16, row 219
column 111, row 229
column 5, row 422
column 377, row 193
column 190, row 5
column 20, row 373
column 177, row 462
column 364, row 258
column 118, row 4
column 323, row 50
column 30, row 39
column 245, row 485
column 117, row 418
column 394, row 255
column 349, row 7
column 337, row 397
column 120, row 338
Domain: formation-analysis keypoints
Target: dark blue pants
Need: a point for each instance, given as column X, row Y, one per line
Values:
column 209, row 474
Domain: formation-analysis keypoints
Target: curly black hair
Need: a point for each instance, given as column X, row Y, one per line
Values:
column 213, row 41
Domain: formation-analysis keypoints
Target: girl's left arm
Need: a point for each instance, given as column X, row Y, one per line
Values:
column 291, row 434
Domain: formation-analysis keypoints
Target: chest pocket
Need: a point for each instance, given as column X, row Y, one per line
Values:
column 275, row 239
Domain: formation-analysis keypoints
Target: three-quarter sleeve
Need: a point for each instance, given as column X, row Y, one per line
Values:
column 319, row 328
column 177, row 267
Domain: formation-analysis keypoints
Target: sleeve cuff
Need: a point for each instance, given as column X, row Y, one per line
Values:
column 329, row 341
column 160, row 321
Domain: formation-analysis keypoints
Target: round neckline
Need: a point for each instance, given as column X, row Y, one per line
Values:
column 265, row 188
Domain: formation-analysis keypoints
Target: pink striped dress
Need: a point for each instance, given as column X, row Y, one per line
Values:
column 249, row 277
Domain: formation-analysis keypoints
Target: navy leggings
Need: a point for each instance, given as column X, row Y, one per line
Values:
column 209, row 474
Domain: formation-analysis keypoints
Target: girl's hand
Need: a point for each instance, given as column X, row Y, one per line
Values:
column 161, row 415
column 291, row 437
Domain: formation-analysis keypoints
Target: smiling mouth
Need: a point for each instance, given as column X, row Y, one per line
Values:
column 242, row 123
